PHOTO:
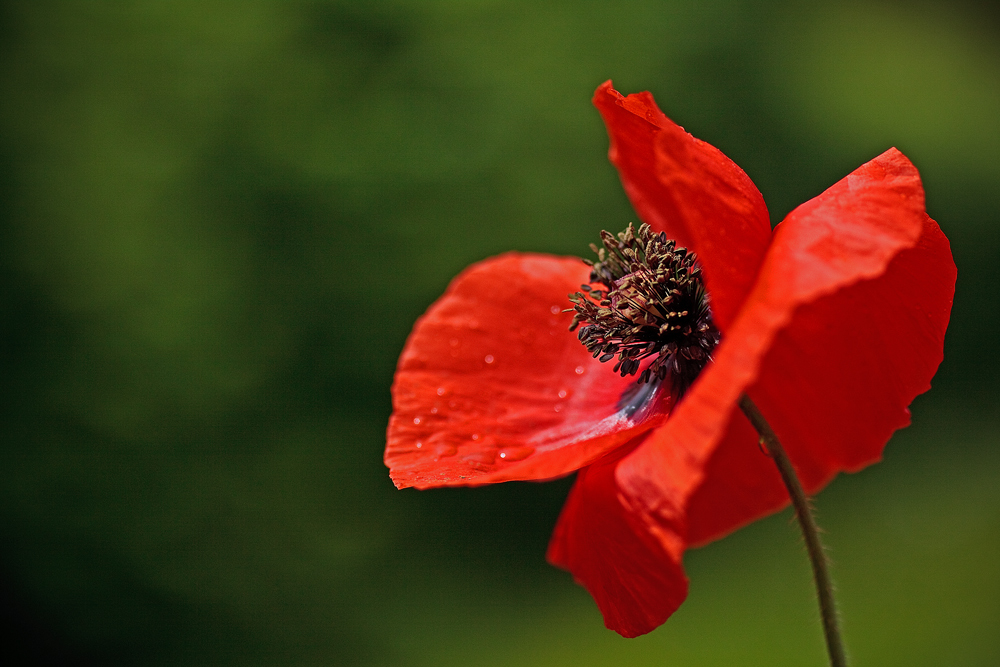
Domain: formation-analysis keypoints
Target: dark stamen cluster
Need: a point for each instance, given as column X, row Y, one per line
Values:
column 646, row 299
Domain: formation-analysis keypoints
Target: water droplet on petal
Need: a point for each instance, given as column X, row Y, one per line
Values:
column 440, row 391
column 416, row 420
column 516, row 453
column 475, row 436
column 579, row 370
column 557, row 407
column 555, row 310
column 434, row 411
column 445, row 450
column 487, row 457
column 562, row 393
column 489, row 359
column 419, row 445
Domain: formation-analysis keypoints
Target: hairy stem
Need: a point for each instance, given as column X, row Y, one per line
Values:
column 821, row 573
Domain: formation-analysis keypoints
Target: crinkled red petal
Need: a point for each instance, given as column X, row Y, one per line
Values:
column 837, row 380
column 690, row 190
column 492, row 386
column 636, row 581
column 843, row 329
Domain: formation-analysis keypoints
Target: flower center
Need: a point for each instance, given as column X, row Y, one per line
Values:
column 646, row 298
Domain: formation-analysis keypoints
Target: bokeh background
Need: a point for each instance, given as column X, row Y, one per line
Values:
column 220, row 220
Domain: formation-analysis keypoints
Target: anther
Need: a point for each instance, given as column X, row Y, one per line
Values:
column 646, row 299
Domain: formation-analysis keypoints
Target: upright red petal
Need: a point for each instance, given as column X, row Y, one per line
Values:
column 690, row 190
column 636, row 581
column 838, row 379
column 843, row 329
column 492, row 385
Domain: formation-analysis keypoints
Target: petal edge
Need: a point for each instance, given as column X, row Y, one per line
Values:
column 690, row 190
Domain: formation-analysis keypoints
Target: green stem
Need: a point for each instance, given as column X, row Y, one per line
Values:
column 824, row 586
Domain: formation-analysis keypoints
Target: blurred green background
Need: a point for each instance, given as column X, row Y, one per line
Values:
column 220, row 220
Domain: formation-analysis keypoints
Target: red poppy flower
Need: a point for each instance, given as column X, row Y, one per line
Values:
column 832, row 324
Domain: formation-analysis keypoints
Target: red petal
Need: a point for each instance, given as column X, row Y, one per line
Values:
column 844, row 328
column 636, row 582
column 493, row 386
column 690, row 190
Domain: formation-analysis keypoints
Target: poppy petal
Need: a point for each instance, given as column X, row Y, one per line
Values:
column 636, row 581
column 837, row 380
column 690, row 190
column 843, row 329
column 492, row 386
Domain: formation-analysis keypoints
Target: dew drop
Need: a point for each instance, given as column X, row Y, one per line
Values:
column 489, row 359
column 434, row 410
column 516, row 453
column 562, row 393
column 557, row 407
column 555, row 310
column 416, row 420
column 420, row 445
column 486, row 458
column 452, row 404
column 475, row 436
column 440, row 391
column 579, row 370
column 443, row 450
